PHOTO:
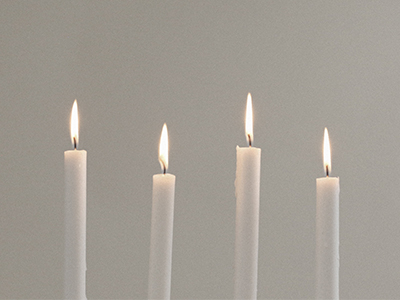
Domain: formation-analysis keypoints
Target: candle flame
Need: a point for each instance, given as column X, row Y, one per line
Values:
column 249, row 120
column 75, row 125
column 163, row 150
column 327, row 153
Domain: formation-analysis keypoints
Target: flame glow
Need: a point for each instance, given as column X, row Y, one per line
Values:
column 249, row 120
column 75, row 125
column 163, row 150
column 327, row 153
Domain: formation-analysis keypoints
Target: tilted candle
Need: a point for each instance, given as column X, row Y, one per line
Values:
column 75, row 215
column 327, row 231
column 247, row 184
column 162, row 217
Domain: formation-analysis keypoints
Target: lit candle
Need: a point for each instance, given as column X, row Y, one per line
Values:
column 75, row 215
column 327, row 230
column 247, row 186
column 162, row 218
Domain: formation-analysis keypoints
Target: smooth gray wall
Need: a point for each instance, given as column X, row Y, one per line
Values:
column 134, row 65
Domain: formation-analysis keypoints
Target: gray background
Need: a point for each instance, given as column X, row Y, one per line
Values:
column 134, row 65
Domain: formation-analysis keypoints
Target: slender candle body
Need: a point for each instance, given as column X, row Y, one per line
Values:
column 247, row 186
column 327, row 238
column 162, row 218
column 75, row 224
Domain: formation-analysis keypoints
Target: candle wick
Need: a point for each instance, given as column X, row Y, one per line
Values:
column 327, row 171
column 164, row 168
column 75, row 144
column 249, row 137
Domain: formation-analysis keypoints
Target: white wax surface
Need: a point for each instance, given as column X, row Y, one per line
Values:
column 327, row 238
column 162, row 218
column 75, row 224
column 247, row 186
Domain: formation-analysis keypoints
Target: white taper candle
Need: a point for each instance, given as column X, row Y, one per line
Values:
column 327, row 231
column 162, row 217
column 75, row 216
column 247, row 190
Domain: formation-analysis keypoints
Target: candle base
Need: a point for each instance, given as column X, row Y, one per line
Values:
column 327, row 238
column 75, row 224
column 247, row 189
column 162, row 219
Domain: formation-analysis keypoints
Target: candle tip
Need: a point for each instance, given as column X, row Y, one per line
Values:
column 163, row 149
column 327, row 153
column 249, row 120
column 74, row 125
